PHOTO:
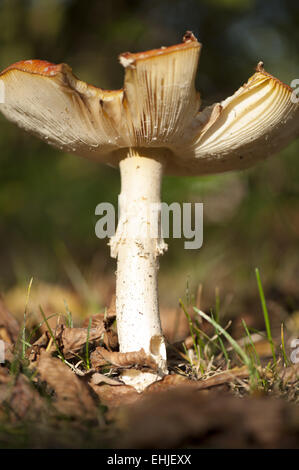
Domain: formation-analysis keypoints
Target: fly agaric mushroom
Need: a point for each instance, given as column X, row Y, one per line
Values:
column 152, row 126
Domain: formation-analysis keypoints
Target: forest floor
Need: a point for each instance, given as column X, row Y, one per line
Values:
column 229, row 385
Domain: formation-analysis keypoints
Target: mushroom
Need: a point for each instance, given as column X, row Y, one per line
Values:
column 152, row 126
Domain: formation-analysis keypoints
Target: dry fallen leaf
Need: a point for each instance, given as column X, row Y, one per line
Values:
column 18, row 397
column 41, row 344
column 174, row 380
column 96, row 321
column 108, row 316
column 68, row 340
column 73, row 339
column 110, row 338
column 72, row 397
column 224, row 377
column 170, row 382
column 25, row 399
column 97, row 378
column 113, row 396
column 101, row 356
column 182, row 417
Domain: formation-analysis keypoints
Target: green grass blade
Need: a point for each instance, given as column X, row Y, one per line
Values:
column 69, row 316
column 196, row 339
column 222, row 347
column 266, row 314
column 190, row 326
column 24, row 320
column 241, row 353
column 285, row 357
column 217, row 305
column 51, row 333
column 255, row 358
column 251, row 342
column 223, row 350
column 87, row 344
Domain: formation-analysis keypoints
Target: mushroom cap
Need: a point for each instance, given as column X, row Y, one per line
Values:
column 157, row 111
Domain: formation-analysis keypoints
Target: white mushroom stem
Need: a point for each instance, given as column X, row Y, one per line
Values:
column 137, row 245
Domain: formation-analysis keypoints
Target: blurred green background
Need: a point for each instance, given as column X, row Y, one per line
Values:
column 47, row 198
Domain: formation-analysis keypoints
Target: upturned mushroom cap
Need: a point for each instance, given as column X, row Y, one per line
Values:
column 158, row 108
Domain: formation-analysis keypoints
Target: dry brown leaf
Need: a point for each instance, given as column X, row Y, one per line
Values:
column 19, row 397
column 107, row 317
column 174, row 380
column 96, row 321
column 180, row 417
column 224, row 377
column 69, row 340
column 113, row 396
column 25, row 399
column 169, row 382
column 110, row 338
column 72, row 397
column 101, row 357
column 73, row 339
column 9, row 327
column 44, row 342
column 97, row 379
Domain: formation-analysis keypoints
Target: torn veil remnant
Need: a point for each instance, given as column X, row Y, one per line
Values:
column 152, row 126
